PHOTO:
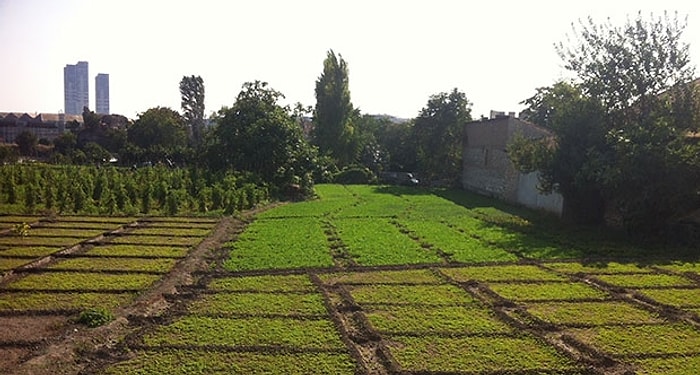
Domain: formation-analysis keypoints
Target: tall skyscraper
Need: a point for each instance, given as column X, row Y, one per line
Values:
column 76, row 94
column 102, row 94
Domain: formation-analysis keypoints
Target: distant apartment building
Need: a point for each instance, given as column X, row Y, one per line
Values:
column 102, row 94
column 76, row 88
column 47, row 126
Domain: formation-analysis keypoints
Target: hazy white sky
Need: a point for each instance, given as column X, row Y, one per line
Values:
column 398, row 52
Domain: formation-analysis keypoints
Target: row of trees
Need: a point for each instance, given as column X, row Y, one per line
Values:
column 625, row 130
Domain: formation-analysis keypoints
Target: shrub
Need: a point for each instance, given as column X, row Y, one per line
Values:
column 95, row 317
column 355, row 175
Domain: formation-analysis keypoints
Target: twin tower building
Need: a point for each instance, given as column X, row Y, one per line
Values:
column 76, row 91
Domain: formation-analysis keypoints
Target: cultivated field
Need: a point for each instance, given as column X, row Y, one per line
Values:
column 364, row 280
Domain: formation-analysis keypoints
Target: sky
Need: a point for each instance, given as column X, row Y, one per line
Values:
column 398, row 52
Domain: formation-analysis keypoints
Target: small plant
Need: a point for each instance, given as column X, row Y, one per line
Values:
column 21, row 229
column 95, row 317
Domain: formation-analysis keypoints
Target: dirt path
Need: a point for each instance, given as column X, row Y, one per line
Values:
column 67, row 353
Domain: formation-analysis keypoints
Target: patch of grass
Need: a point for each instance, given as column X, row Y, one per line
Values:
column 453, row 319
column 599, row 268
column 371, row 204
column 82, row 281
column 259, row 303
column 477, row 354
column 501, row 273
column 18, row 301
column 459, row 246
column 375, row 242
column 271, row 244
column 202, row 362
column 680, row 365
column 139, row 251
column 95, row 317
column 645, row 280
column 639, row 340
column 382, row 277
column 591, row 313
column 674, row 297
column 265, row 283
column 115, row 264
column 547, row 291
column 199, row 331
column 445, row 294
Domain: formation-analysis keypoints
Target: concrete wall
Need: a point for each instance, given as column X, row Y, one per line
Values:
column 488, row 170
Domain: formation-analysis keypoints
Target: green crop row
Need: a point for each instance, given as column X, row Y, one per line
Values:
column 382, row 277
column 373, row 204
column 10, row 263
column 591, row 313
column 673, row 296
column 678, row 365
column 64, row 232
column 644, row 280
column 501, row 273
column 477, row 354
column 29, row 251
column 374, row 242
column 37, row 301
column 80, row 225
column 39, row 241
column 172, row 231
column 682, row 267
column 460, row 247
column 331, row 198
column 138, row 251
column 431, row 320
column 555, row 291
column 77, row 281
column 259, row 303
column 445, row 294
column 254, row 331
column 269, row 244
column 115, row 264
column 131, row 239
column 112, row 219
column 179, row 224
column 598, row 268
column 189, row 362
column 265, row 283
column 674, row 338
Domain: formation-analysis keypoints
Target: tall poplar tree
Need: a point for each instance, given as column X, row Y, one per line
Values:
column 192, row 91
column 333, row 130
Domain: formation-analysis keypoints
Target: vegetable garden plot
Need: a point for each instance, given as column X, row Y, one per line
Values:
column 442, row 295
column 202, row 331
column 264, row 283
column 443, row 320
column 28, row 251
column 678, row 365
column 645, row 280
column 553, row 291
column 372, row 204
column 477, row 354
column 79, row 225
column 599, row 268
column 11, row 263
column 681, row 267
column 249, row 303
column 382, row 277
column 172, row 231
column 40, row 301
column 136, row 239
column 591, row 313
column 269, row 244
column 501, row 273
column 458, row 246
column 65, row 232
column 677, row 297
column 40, row 241
column 79, row 281
column 180, row 220
column 175, row 224
column 190, row 362
column 105, row 264
column 639, row 341
column 154, row 251
column 375, row 242
column 98, row 219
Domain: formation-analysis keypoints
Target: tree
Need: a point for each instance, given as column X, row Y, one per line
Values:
column 438, row 134
column 160, row 131
column 26, row 141
column 640, row 78
column 565, row 162
column 192, row 92
column 258, row 135
column 333, row 114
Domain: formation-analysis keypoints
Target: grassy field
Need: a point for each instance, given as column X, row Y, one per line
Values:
column 389, row 280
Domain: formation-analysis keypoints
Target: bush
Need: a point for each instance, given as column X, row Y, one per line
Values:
column 95, row 317
column 355, row 175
